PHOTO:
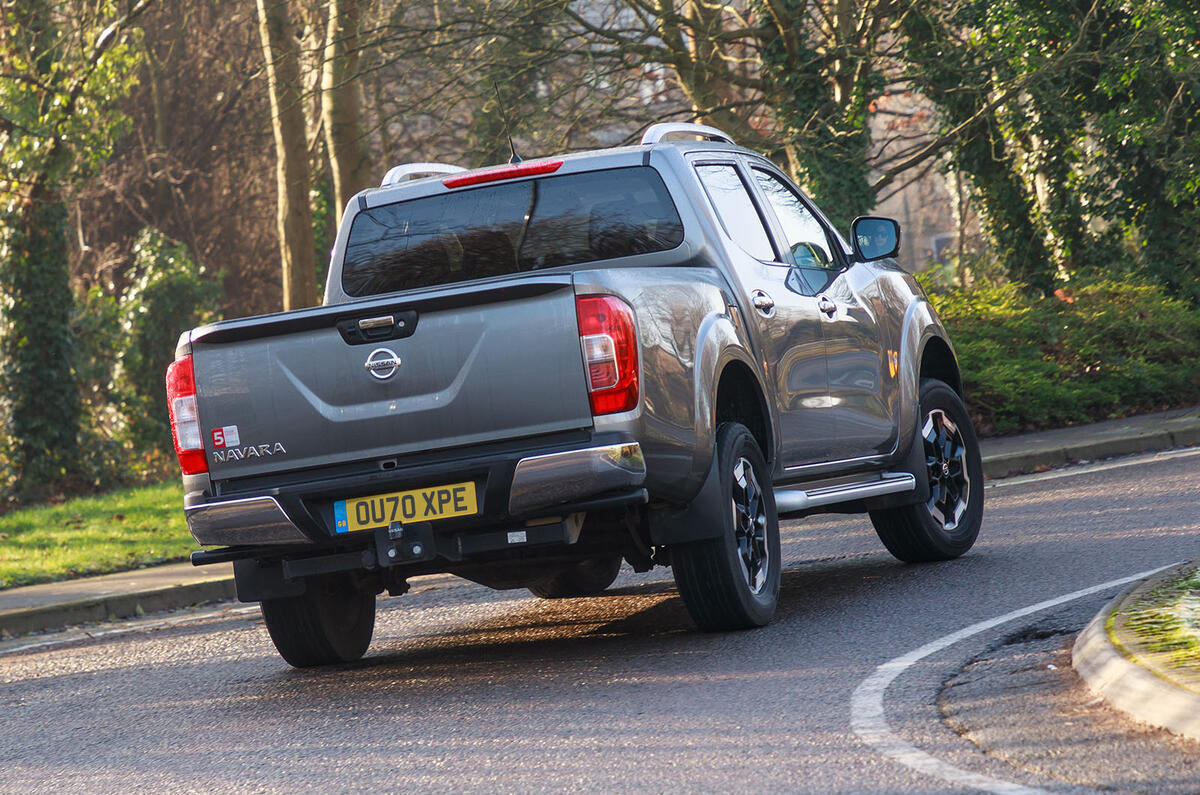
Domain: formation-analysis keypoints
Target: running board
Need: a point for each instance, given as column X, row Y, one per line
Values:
column 793, row 500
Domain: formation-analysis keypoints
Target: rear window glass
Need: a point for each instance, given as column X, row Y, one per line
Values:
column 509, row 227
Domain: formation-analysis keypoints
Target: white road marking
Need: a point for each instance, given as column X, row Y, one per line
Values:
column 1085, row 469
column 869, row 721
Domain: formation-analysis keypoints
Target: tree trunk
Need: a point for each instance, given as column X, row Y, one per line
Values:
column 38, row 389
column 340, row 104
column 293, row 212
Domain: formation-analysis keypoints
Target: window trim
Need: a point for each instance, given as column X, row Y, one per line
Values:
column 834, row 241
column 755, row 202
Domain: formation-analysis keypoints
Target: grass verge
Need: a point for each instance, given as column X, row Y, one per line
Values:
column 1167, row 621
column 111, row 532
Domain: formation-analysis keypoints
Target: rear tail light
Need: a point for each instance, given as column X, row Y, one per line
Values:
column 609, row 343
column 185, row 422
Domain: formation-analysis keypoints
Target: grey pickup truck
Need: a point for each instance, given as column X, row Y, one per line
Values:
column 524, row 375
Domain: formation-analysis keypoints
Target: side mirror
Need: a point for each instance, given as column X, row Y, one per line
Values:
column 874, row 238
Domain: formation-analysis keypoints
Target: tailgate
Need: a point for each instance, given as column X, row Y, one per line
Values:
column 477, row 364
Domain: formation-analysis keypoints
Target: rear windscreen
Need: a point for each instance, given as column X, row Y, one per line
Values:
column 508, row 228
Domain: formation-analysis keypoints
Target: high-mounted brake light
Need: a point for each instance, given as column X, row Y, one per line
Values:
column 503, row 172
column 185, row 421
column 609, row 343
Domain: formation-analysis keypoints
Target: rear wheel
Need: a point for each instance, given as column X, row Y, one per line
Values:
column 585, row 578
column 947, row 524
column 732, row 581
column 331, row 622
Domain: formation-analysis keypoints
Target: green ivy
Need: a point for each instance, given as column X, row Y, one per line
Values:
column 827, row 143
column 64, row 70
column 171, row 294
column 39, row 403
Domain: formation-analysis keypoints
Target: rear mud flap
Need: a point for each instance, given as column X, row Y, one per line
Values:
column 256, row 581
column 697, row 520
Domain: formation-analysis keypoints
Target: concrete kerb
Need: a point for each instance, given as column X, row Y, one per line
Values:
column 1003, row 465
column 1177, row 432
column 1123, row 682
column 42, row 618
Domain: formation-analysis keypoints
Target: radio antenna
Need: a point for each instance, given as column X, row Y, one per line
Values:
column 516, row 158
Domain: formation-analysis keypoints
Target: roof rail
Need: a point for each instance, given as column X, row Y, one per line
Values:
column 656, row 132
column 413, row 170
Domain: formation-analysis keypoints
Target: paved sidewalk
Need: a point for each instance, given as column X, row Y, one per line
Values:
column 55, row 605
column 1014, row 455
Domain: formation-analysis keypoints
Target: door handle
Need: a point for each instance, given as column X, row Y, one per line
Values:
column 826, row 306
column 762, row 302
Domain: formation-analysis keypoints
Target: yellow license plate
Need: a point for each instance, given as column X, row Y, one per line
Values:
column 417, row 505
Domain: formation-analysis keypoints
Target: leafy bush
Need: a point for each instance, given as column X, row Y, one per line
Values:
column 170, row 295
column 39, row 406
column 96, row 327
column 120, row 348
column 1108, row 348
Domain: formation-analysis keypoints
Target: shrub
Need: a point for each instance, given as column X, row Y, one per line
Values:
column 170, row 295
column 1132, row 345
column 96, row 328
column 1106, row 349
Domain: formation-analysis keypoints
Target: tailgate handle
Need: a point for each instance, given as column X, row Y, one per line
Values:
column 368, row 323
column 397, row 325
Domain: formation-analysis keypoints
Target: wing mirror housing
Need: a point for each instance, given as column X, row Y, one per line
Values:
column 874, row 238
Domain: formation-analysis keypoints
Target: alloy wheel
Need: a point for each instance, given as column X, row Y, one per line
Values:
column 946, row 459
column 750, row 526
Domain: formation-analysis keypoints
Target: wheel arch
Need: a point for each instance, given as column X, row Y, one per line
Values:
column 937, row 361
column 727, row 387
column 925, row 352
column 739, row 398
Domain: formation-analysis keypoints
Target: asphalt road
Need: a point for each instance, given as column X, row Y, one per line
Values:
column 470, row 689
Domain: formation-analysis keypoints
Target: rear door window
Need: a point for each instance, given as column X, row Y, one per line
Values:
column 736, row 209
column 508, row 228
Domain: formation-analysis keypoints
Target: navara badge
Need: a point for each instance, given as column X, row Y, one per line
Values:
column 383, row 363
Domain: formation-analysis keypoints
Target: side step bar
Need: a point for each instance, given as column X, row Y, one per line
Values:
column 793, row 500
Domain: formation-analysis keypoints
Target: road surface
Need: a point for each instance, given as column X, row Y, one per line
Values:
column 874, row 677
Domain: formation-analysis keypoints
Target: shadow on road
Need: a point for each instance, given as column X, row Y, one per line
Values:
column 549, row 637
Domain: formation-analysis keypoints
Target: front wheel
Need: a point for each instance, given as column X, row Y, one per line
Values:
column 732, row 581
column 331, row 622
column 947, row 524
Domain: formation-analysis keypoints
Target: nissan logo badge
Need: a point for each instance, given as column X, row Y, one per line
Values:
column 383, row 363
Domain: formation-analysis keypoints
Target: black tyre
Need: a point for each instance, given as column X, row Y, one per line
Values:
column 732, row 581
column 946, row 526
column 585, row 578
column 329, row 623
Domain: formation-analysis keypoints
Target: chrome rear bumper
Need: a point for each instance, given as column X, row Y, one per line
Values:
column 539, row 482
column 253, row 520
column 546, row 480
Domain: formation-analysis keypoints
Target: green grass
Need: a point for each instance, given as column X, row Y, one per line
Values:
column 112, row 532
column 1167, row 620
